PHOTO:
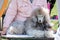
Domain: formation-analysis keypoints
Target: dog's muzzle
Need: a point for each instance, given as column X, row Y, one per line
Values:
column 40, row 18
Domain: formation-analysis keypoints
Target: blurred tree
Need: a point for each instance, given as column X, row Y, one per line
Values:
column 52, row 2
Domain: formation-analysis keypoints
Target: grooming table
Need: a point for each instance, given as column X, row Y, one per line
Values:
column 23, row 37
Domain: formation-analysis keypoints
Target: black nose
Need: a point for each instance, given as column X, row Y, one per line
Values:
column 39, row 21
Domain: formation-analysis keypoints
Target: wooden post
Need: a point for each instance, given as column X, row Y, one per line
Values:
column 3, row 7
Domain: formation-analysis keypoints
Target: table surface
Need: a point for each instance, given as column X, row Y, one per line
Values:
column 15, row 37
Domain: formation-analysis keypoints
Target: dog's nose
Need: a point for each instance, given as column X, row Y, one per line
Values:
column 39, row 21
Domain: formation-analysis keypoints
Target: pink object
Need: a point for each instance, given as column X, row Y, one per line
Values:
column 56, row 17
column 21, row 9
column 48, row 5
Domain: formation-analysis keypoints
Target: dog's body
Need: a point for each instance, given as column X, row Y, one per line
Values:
column 34, row 26
column 38, row 25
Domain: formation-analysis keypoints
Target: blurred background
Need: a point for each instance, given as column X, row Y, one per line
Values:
column 52, row 6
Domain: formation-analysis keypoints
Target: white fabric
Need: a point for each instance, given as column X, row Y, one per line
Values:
column 57, row 36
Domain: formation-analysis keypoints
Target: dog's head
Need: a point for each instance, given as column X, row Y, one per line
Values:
column 38, row 15
column 37, row 19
